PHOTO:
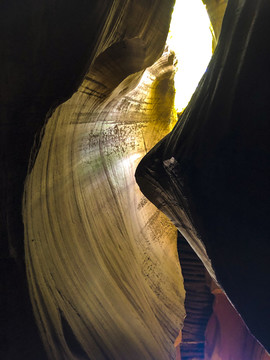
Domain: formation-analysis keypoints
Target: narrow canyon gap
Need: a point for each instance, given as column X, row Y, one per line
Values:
column 81, row 247
column 210, row 175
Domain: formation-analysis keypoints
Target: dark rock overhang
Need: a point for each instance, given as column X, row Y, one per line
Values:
column 40, row 71
column 210, row 175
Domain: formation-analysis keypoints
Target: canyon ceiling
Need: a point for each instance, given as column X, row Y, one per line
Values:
column 89, row 259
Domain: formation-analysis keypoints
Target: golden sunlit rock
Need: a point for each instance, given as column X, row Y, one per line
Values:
column 207, row 174
column 90, row 266
column 102, row 261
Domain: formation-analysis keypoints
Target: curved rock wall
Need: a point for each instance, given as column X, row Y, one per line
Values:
column 49, row 46
column 210, row 175
column 101, row 261
column 102, row 265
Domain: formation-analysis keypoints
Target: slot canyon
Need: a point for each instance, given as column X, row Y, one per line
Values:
column 131, row 231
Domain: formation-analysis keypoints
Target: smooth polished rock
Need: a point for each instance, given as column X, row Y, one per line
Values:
column 210, row 175
column 47, row 48
column 102, row 264
column 215, row 10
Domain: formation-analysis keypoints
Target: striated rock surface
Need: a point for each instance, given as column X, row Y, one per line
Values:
column 210, row 175
column 198, row 302
column 49, row 47
column 102, row 265
column 101, row 261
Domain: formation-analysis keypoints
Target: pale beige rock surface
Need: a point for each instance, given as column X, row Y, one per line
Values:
column 98, row 254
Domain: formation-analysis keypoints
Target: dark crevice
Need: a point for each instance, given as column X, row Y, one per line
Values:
column 198, row 301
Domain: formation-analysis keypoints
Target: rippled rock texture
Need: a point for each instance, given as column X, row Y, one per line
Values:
column 101, row 261
column 210, row 175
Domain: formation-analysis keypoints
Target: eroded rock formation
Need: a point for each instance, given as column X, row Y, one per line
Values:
column 210, row 175
column 110, row 272
column 101, row 261
column 102, row 266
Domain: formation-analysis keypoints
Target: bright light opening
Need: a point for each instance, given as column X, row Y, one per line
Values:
column 191, row 39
